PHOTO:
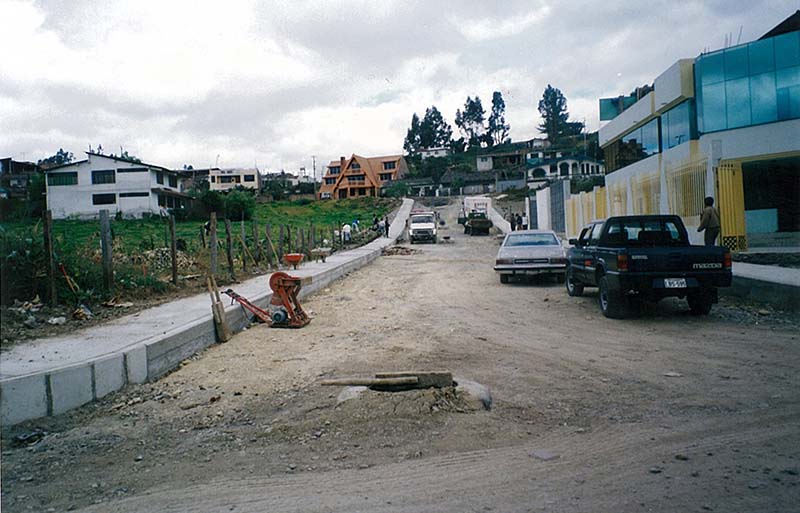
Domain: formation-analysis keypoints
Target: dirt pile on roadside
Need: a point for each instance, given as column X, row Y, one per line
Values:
column 399, row 250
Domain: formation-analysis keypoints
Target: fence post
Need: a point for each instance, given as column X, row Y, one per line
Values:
column 257, row 253
column 280, row 242
column 270, row 245
column 244, row 245
column 312, row 237
column 202, row 237
column 173, row 249
column 212, row 243
column 229, row 247
column 302, row 240
column 290, row 242
column 105, row 246
column 47, row 224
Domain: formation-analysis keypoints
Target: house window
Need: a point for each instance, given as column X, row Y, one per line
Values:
column 385, row 177
column 104, row 199
column 389, row 165
column 104, row 176
column 213, row 179
column 134, row 194
column 226, row 179
column 355, row 165
column 484, row 159
column 62, row 178
column 362, row 192
column 334, row 170
column 173, row 181
column 160, row 177
column 330, row 181
column 249, row 178
column 132, row 170
column 355, row 179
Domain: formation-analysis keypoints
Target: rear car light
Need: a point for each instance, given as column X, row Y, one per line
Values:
column 558, row 260
column 622, row 262
column 502, row 261
column 726, row 260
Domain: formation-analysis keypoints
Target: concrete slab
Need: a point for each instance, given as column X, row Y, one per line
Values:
column 22, row 399
column 136, row 364
column 109, row 375
column 70, row 388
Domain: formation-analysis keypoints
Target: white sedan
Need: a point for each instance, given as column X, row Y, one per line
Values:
column 530, row 252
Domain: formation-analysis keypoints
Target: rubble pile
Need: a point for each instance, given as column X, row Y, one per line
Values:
column 398, row 250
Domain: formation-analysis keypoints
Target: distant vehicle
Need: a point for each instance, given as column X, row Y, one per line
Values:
column 477, row 223
column 477, row 204
column 633, row 258
column 528, row 253
column 422, row 227
column 462, row 216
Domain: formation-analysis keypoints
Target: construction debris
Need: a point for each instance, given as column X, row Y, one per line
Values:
column 397, row 381
column 398, row 250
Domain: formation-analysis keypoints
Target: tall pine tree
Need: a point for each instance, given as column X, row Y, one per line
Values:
column 498, row 128
column 553, row 109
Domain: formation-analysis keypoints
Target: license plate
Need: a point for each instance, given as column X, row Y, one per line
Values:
column 675, row 283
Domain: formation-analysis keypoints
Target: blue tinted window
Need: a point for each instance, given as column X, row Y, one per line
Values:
column 763, row 99
column 650, row 137
column 737, row 95
column 712, row 69
column 714, row 107
column 787, row 50
column 736, row 63
column 788, row 92
column 761, row 56
column 676, row 126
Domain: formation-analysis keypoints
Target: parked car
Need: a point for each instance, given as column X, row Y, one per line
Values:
column 529, row 253
column 422, row 226
column 633, row 258
column 477, row 224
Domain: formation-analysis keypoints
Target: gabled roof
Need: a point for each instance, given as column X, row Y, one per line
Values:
column 112, row 157
column 371, row 167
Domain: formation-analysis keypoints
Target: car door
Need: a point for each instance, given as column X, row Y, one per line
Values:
column 575, row 254
column 590, row 253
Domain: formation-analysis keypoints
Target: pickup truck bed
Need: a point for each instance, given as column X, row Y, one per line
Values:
column 633, row 258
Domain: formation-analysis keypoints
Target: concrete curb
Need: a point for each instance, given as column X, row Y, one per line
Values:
column 57, row 390
column 777, row 295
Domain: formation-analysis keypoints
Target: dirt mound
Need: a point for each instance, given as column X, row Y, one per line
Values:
column 399, row 250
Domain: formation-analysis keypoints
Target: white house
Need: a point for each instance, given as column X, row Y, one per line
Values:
column 227, row 179
column 102, row 182
column 427, row 153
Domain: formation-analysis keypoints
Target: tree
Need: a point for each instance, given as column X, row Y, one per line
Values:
column 59, row 159
column 434, row 132
column 239, row 205
column 412, row 143
column 553, row 108
column 497, row 132
column 470, row 121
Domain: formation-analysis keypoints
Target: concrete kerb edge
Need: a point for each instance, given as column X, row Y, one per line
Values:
column 781, row 296
column 57, row 391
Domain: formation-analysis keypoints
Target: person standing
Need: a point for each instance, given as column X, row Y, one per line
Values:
column 524, row 221
column 386, row 225
column 346, row 233
column 519, row 222
column 709, row 221
column 513, row 221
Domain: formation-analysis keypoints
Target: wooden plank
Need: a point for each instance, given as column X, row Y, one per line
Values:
column 368, row 382
column 47, row 224
column 105, row 247
column 426, row 379
column 173, row 250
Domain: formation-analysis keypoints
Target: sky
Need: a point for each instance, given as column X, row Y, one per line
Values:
column 273, row 83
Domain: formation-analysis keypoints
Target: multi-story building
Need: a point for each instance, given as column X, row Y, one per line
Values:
column 228, row 179
column 15, row 176
column 725, row 124
column 361, row 176
column 103, row 182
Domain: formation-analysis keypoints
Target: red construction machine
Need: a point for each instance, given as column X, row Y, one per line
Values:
column 284, row 310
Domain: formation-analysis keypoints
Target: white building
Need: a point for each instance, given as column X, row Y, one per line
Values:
column 102, row 182
column 427, row 153
column 228, row 179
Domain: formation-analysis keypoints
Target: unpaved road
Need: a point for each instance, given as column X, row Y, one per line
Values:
column 666, row 412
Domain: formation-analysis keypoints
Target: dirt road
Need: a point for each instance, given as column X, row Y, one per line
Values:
column 666, row 412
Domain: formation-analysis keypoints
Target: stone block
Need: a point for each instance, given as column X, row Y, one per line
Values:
column 109, row 375
column 136, row 364
column 70, row 388
column 23, row 399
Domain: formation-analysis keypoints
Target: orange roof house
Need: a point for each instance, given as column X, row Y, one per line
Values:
column 361, row 176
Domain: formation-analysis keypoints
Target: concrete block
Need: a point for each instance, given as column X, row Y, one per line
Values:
column 70, row 388
column 136, row 364
column 109, row 375
column 23, row 399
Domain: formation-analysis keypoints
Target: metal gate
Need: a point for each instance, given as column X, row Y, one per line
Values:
column 730, row 201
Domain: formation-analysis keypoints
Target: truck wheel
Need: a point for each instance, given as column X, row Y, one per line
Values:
column 700, row 302
column 574, row 288
column 505, row 278
column 612, row 303
column 434, row 239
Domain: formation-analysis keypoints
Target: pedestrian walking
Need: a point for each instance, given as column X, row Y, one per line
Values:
column 524, row 222
column 386, row 225
column 513, row 221
column 709, row 221
column 519, row 222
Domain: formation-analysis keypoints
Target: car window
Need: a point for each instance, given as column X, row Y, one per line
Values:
column 531, row 239
column 595, row 236
column 422, row 219
column 585, row 234
column 648, row 232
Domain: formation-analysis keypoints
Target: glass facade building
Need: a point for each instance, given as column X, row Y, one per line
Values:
column 749, row 84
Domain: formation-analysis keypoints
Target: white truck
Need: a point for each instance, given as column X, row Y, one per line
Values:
column 422, row 227
column 480, row 204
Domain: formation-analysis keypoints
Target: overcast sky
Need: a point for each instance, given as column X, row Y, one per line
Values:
column 273, row 83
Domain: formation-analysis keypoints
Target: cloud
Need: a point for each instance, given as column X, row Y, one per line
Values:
column 483, row 29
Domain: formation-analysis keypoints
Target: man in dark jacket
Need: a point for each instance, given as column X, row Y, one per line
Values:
column 709, row 221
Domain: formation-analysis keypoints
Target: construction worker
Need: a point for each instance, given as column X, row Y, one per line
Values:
column 709, row 221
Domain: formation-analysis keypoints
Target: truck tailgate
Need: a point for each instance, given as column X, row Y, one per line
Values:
column 676, row 259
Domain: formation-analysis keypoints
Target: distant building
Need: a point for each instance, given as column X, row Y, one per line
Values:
column 102, row 182
column 548, row 165
column 229, row 179
column 426, row 153
column 361, row 176
column 15, row 177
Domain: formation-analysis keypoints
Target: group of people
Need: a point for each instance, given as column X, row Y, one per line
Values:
column 379, row 225
column 518, row 221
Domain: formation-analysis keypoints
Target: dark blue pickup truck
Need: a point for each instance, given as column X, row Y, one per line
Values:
column 632, row 258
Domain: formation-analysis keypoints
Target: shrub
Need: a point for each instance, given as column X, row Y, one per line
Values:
column 239, row 205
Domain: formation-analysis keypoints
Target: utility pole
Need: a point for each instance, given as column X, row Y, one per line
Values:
column 314, row 173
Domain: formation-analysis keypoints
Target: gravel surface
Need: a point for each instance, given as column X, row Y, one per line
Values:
column 664, row 412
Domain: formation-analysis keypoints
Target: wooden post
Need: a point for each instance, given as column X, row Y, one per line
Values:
column 47, row 224
column 272, row 247
column 202, row 237
column 280, row 243
column 290, row 242
column 105, row 246
column 212, row 243
column 244, row 246
column 173, row 249
column 229, row 248
column 257, row 254
column 333, row 237
column 312, row 237
column 268, row 232
column 302, row 245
